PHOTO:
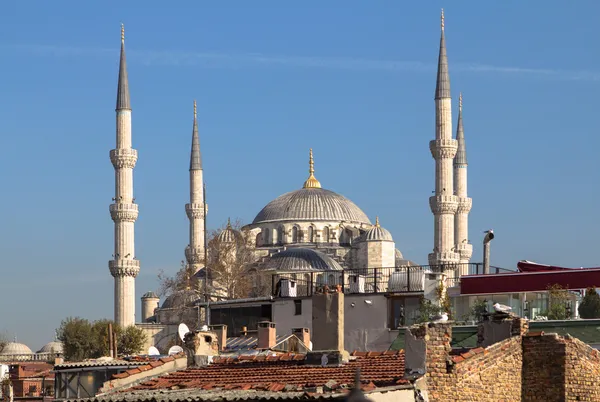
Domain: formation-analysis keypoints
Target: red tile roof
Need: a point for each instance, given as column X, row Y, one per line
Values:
column 285, row 372
column 153, row 362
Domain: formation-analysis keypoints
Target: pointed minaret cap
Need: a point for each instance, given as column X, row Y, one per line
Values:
column 311, row 182
column 123, row 102
column 196, row 157
column 442, row 86
column 377, row 221
column 461, row 153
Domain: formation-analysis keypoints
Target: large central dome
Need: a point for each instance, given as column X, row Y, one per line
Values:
column 311, row 204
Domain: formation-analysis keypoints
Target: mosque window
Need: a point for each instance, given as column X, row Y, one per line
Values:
column 311, row 234
column 266, row 236
column 295, row 234
column 326, row 234
column 280, row 235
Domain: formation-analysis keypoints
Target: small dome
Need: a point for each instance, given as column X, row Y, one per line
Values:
column 15, row 348
column 181, row 298
column 228, row 234
column 150, row 295
column 52, row 347
column 302, row 259
column 377, row 233
column 399, row 255
column 401, row 262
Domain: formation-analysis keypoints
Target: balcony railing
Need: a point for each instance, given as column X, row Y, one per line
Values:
column 406, row 279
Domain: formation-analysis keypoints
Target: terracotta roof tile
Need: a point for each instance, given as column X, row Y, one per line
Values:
column 283, row 372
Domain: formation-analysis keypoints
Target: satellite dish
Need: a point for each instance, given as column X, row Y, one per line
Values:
column 182, row 330
column 175, row 349
column 152, row 351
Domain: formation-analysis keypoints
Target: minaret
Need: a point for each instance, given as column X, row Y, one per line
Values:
column 461, row 219
column 444, row 203
column 124, row 266
column 194, row 252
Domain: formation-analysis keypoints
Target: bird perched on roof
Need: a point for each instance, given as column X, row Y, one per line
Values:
column 440, row 318
column 501, row 308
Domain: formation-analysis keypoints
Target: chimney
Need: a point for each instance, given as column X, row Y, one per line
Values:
column 221, row 331
column 303, row 334
column 201, row 345
column 244, row 331
column 500, row 326
column 328, row 321
column 427, row 348
column 266, row 335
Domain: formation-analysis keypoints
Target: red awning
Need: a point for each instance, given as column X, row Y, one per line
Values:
column 528, row 266
column 529, row 281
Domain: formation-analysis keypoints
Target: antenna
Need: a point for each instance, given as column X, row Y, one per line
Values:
column 174, row 350
column 182, row 330
column 152, row 351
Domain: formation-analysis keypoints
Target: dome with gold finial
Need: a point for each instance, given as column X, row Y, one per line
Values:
column 228, row 234
column 377, row 233
column 312, row 203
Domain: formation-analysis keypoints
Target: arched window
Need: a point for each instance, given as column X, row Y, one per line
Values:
column 280, row 235
column 295, row 234
column 265, row 236
column 259, row 241
column 311, row 234
column 275, row 236
column 326, row 234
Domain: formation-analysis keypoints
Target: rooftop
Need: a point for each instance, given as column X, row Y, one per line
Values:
column 287, row 375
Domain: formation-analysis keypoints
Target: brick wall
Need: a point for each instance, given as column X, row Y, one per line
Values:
column 481, row 374
column 559, row 368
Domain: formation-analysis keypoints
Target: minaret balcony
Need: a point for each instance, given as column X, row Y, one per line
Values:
column 123, row 212
column 194, row 255
column 124, row 267
column 443, row 148
column 443, row 204
column 195, row 211
column 464, row 205
column 444, row 259
column 123, row 158
column 465, row 250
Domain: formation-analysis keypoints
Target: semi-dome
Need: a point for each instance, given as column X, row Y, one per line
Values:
column 301, row 259
column 52, row 347
column 181, row 298
column 311, row 203
column 15, row 348
column 377, row 233
column 228, row 234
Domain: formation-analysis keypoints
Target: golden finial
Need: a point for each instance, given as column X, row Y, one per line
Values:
column 122, row 33
column 195, row 109
column 228, row 223
column 460, row 102
column 377, row 221
column 442, row 19
column 311, row 182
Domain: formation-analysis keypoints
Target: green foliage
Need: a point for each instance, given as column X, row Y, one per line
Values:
column 557, row 302
column 83, row 339
column 590, row 305
column 427, row 310
column 476, row 311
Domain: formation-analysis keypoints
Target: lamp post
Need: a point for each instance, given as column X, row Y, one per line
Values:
column 489, row 236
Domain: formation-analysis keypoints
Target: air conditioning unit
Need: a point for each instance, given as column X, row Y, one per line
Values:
column 288, row 288
column 357, row 283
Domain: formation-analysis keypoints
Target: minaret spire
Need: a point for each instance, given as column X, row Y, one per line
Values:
column 194, row 252
column 311, row 182
column 444, row 203
column 461, row 219
column 123, row 86
column 442, row 87
column 124, row 266
column 196, row 156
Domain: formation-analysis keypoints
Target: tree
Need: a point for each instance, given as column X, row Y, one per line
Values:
column 231, row 268
column 3, row 340
column 83, row 339
column 476, row 312
column 590, row 305
column 557, row 302
column 427, row 310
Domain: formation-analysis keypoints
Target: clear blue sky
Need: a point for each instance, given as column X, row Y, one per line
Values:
column 352, row 79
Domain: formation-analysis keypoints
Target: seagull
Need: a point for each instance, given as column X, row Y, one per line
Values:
column 440, row 318
column 501, row 308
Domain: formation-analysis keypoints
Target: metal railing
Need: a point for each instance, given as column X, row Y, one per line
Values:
column 405, row 279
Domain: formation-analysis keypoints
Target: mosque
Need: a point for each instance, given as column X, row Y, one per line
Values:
column 307, row 230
